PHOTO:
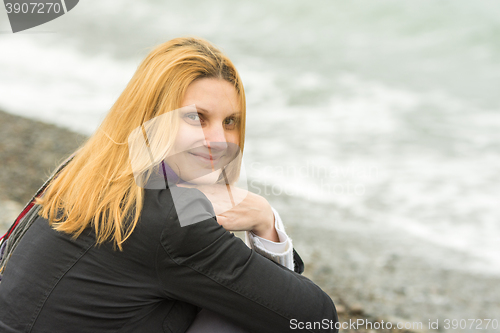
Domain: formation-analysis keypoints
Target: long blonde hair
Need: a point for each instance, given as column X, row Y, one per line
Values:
column 97, row 188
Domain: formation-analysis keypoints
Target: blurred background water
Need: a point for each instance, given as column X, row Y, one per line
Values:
column 380, row 119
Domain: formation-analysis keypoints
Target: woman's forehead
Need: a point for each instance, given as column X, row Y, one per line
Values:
column 213, row 96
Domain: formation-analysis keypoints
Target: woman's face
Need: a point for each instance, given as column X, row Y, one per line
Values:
column 208, row 134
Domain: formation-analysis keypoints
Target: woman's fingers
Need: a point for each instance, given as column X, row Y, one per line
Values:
column 234, row 222
column 221, row 220
column 227, row 224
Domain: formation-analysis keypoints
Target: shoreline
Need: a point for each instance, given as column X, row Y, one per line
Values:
column 30, row 150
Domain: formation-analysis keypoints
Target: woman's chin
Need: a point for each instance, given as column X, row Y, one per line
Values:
column 207, row 179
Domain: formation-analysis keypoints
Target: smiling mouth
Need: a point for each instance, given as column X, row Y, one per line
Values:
column 206, row 159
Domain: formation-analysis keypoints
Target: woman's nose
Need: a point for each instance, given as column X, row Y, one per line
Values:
column 215, row 137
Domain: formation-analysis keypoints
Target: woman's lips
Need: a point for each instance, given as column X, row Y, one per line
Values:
column 206, row 159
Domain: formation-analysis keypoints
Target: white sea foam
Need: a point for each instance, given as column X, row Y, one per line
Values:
column 425, row 191
column 57, row 84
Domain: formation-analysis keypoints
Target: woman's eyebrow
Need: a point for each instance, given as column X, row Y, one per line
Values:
column 203, row 110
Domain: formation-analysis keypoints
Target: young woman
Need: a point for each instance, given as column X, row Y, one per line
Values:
column 133, row 234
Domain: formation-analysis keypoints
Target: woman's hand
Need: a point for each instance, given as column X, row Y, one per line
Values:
column 241, row 210
column 254, row 213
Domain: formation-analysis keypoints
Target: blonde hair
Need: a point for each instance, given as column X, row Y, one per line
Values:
column 97, row 188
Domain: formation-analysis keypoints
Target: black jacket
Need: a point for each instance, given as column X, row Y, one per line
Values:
column 158, row 283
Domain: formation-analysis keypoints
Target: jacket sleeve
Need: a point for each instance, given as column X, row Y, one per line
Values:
column 207, row 266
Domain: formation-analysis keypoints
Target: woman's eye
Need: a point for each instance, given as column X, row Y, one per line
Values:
column 192, row 118
column 230, row 122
